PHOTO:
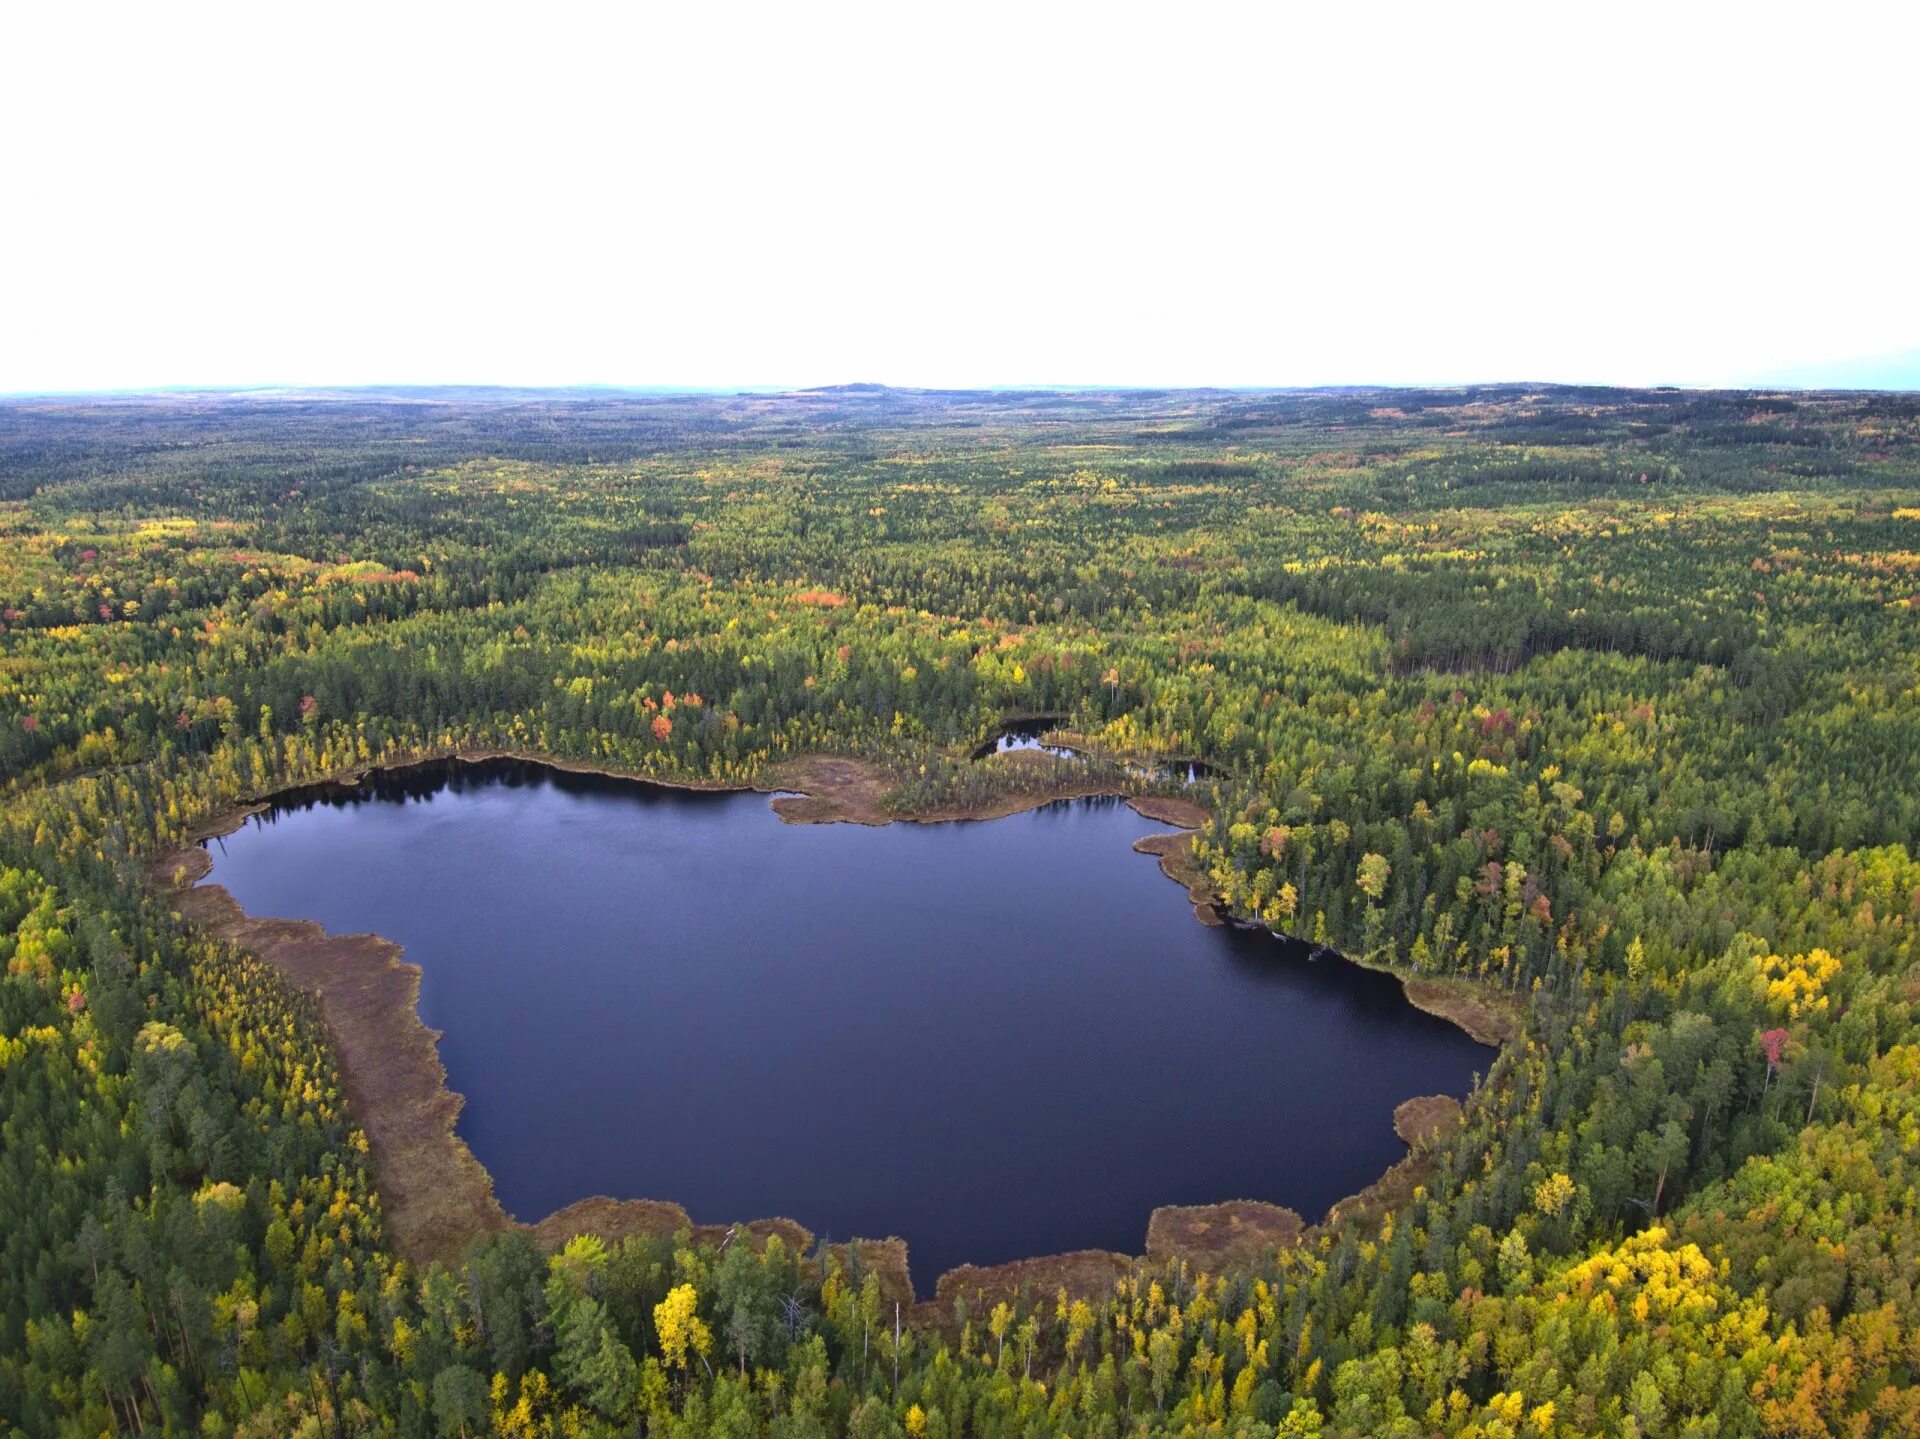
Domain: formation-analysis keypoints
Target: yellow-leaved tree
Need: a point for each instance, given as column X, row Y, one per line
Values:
column 683, row 1333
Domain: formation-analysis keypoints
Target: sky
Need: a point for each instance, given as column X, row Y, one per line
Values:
column 736, row 195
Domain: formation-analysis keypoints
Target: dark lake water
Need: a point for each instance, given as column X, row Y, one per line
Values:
column 993, row 1039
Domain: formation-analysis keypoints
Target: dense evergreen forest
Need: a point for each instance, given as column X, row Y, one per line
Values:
column 1605, row 701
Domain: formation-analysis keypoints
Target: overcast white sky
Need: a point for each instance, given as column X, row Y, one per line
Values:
column 795, row 194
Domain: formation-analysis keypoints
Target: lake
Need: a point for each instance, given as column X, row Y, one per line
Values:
column 995, row 1039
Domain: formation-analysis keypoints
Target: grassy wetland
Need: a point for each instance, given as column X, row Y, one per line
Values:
column 1591, row 715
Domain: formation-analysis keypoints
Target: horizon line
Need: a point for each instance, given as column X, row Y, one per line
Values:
column 269, row 388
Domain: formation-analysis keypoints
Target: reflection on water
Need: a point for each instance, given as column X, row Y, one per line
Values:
column 1030, row 733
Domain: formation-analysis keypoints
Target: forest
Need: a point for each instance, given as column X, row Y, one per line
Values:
column 1602, row 703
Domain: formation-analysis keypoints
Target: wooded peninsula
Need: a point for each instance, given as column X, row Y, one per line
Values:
column 1593, row 714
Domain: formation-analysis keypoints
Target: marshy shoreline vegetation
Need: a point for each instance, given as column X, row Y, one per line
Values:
column 1603, row 700
column 437, row 1198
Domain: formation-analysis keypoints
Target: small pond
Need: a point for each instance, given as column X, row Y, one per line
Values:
column 1025, row 734
column 994, row 1039
column 1030, row 734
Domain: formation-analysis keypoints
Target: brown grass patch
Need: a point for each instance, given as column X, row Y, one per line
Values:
column 1084, row 1274
column 1426, row 1120
column 1171, row 809
column 835, row 790
column 611, row 1219
column 1489, row 1015
column 884, row 1258
column 1218, row 1236
column 616, row 1219
column 1392, row 1190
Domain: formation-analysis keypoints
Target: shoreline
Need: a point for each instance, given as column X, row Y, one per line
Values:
column 809, row 789
column 437, row 1196
column 1488, row 1016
